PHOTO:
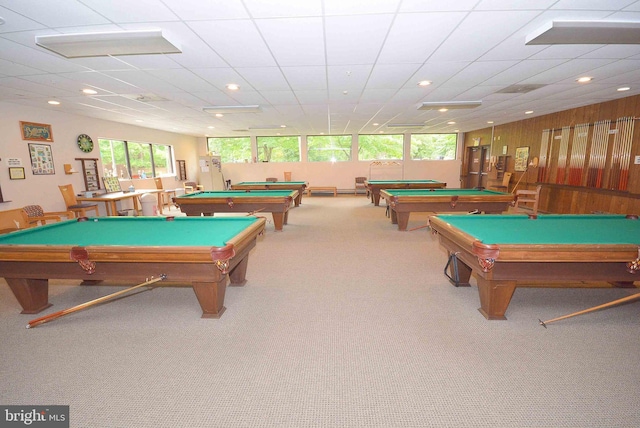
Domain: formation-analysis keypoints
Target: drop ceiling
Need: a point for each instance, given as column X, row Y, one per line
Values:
column 316, row 66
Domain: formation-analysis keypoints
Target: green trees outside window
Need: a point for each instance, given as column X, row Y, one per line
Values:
column 433, row 146
column 329, row 148
column 231, row 149
column 278, row 149
column 128, row 160
column 376, row 147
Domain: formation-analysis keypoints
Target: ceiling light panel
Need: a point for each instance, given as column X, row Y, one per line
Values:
column 586, row 33
column 451, row 105
column 79, row 45
column 233, row 109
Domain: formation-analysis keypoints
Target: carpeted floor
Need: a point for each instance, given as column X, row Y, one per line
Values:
column 344, row 322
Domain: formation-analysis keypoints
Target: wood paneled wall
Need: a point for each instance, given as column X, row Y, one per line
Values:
column 557, row 195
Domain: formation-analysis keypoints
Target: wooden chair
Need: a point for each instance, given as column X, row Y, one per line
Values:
column 271, row 179
column 166, row 195
column 79, row 209
column 504, row 187
column 36, row 215
column 528, row 197
column 191, row 186
column 12, row 220
column 359, row 184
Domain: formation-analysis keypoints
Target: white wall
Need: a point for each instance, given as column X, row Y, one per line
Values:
column 43, row 189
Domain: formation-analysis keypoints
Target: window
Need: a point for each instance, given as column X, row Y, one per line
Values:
column 231, row 149
column 124, row 159
column 279, row 149
column 433, row 146
column 373, row 147
column 329, row 148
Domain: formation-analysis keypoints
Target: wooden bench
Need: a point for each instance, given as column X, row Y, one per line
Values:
column 310, row 190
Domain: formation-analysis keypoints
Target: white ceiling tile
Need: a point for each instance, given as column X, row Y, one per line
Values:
column 237, row 42
column 132, row 11
column 466, row 44
column 414, row 37
column 437, row 5
column 342, row 7
column 355, row 40
column 197, row 10
column 307, row 48
column 281, row 8
column 264, row 78
column 385, row 76
column 49, row 13
column 310, row 78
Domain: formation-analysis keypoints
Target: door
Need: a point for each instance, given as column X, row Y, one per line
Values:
column 477, row 166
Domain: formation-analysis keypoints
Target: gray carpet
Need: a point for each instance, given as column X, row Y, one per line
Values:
column 344, row 322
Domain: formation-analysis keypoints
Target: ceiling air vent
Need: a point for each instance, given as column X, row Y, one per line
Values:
column 519, row 89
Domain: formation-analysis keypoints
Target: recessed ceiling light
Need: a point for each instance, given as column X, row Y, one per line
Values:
column 210, row 127
column 584, row 79
column 89, row 91
column 139, row 120
column 233, row 87
column 54, row 103
column 528, row 112
column 442, row 110
column 451, row 123
column 283, row 126
column 424, row 83
column 490, row 121
column 376, row 124
column 624, row 88
column 219, row 114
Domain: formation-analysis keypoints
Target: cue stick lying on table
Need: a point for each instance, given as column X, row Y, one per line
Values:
column 59, row 314
column 595, row 308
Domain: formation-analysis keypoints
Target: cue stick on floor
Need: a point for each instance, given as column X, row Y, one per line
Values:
column 595, row 308
column 59, row 314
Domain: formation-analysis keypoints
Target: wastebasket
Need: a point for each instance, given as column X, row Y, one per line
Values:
column 149, row 204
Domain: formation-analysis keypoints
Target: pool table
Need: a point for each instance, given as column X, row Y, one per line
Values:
column 504, row 250
column 402, row 202
column 201, row 251
column 374, row 186
column 300, row 186
column 276, row 202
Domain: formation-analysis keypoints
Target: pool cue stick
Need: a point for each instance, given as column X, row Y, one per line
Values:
column 59, row 314
column 595, row 308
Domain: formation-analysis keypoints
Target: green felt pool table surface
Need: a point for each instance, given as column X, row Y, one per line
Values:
column 504, row 250
column 202, row 251
column 277, row 202
column 133, row 231
column 374, row 186
column 300, row 186
column 402, row 202
column 549, row 229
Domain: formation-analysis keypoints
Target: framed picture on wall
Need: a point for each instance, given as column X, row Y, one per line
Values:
column 41, row 159
column 36, row 131
column 16, row 173
column 522, row 157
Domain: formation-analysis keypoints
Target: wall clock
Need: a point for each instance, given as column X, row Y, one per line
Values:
column 85, row 143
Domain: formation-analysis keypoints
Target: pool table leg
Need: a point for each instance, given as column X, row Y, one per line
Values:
column 278, row 220
column 238, row 275
column 402, row 219
column 211, row 297
column 32, row 294
column 495, row 297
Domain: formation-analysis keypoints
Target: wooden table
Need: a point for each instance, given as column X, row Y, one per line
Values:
column 110, row 199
